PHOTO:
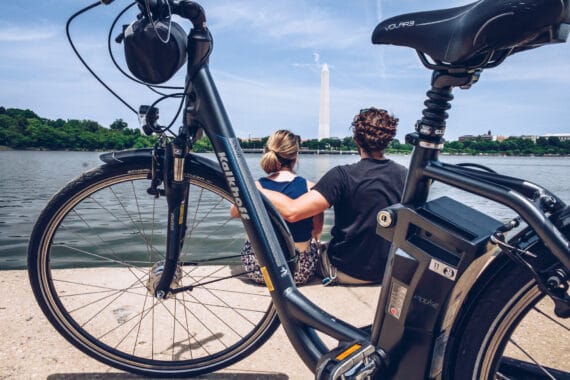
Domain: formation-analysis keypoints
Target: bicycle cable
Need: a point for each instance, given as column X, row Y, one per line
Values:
column 179, row 95
column 107, row 87
column 67, row 25
column 149, row 13
column 477, row 166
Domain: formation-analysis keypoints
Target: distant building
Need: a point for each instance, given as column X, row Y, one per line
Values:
column 251, row 139
column 561, row 136
column 490, row 137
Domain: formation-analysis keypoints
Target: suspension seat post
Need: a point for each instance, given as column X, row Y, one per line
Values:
column 428, row 139
column 431, row 127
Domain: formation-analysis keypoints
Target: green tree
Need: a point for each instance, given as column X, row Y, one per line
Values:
column 203, row 145
column 118, row 125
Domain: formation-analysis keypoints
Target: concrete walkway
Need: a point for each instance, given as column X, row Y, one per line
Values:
column 30, row 348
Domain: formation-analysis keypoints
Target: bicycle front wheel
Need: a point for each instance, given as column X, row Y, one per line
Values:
column 511, row 331
column 92, row 257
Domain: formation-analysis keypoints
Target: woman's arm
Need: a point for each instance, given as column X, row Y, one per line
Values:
column 318, row 222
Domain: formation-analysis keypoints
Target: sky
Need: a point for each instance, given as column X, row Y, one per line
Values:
column 267, row 61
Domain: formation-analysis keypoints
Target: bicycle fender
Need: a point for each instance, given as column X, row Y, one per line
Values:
column 475, row 279
column 463, row 289
column 122, row 156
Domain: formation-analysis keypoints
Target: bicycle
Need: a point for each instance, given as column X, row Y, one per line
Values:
column 454, row 289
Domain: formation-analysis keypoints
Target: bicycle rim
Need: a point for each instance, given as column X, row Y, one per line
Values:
column 511, row 332
column 92, row 255
column 526, row 341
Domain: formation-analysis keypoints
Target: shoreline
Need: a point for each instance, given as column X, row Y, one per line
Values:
column 4, row 148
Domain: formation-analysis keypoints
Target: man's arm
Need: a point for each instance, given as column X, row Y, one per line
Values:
column 309, row 204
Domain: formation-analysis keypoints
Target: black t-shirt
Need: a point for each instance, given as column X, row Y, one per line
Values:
column 358, row 192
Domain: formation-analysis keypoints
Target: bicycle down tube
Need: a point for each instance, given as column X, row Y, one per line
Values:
column 291, row 304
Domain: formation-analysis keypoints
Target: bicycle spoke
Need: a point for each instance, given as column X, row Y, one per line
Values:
column 525, row 352
column 103, row 289
column 551, row 319
column 105, row 258
column 98, row 262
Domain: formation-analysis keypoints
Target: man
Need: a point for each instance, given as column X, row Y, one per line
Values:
column 355, row 254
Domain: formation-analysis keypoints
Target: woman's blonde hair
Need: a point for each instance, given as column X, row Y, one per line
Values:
column 280, row 151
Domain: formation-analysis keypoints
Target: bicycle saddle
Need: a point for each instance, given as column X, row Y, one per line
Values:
column 460, row 35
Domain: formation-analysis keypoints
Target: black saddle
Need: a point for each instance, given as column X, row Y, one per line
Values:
column 461, row 36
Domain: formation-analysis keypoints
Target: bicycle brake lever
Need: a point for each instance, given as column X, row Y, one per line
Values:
column 148, row 117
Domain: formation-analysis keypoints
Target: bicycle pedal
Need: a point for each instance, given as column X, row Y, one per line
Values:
column 356, row 361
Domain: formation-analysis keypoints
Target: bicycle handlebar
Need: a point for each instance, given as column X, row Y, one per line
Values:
column 187, row 9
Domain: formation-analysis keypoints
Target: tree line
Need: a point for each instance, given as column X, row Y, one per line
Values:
column 512, row 146
column 23, row 129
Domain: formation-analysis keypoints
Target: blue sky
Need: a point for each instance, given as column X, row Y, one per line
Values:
column 267, row 60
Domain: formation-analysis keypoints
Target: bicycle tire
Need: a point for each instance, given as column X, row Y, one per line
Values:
column 505, row 331
column 91, row 281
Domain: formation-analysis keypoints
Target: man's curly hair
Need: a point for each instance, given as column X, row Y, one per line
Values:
column 373, row 129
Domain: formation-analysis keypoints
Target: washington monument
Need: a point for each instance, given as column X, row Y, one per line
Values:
column 324, row 110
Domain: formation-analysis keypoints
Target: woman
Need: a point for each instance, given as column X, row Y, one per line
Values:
column 279, row 158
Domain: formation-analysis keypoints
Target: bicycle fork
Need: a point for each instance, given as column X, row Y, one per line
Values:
column 164, row 276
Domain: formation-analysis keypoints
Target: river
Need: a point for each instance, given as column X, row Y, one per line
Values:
column 29, row 178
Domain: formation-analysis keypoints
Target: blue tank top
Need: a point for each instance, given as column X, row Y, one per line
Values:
column 302, row 229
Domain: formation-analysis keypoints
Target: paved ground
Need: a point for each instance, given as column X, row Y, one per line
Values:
column 30, row 348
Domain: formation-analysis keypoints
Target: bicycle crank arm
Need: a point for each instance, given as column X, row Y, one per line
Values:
column 355, row 361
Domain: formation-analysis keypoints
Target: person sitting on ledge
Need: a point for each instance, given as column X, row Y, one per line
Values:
column 355, row 254
column 281, row 153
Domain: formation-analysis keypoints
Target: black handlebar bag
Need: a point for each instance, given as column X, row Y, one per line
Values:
column 154, row 51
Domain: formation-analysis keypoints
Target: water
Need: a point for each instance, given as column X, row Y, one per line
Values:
column 30, row 178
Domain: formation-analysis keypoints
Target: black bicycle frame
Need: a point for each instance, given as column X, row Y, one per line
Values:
column 300, row 317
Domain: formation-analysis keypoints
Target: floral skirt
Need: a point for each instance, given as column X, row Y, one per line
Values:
column 305, row 269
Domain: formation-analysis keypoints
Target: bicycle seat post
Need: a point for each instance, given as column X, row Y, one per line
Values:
column 428, row 139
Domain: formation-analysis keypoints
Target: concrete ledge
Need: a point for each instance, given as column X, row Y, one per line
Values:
column 30, row 348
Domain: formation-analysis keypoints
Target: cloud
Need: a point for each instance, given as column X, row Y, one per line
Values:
column 10, row 33
column 301, row 26
column 316, row 57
